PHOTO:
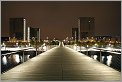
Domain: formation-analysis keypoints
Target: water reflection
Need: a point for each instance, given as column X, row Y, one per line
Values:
column 11, row 60
column 4, row 59
column 28, row 56
column 106, row 57
column 95, row 57
column 103, row 58
column 17, row 58
column 109, row 58
column 21, row 58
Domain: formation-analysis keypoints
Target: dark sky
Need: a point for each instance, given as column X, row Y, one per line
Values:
column 56, row 19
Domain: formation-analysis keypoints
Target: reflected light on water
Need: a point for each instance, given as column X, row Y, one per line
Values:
column 95, row 57
column 4, row 60
column 20, row 58
column 17, row 58
column 75, row 47
column 102, row 58
column 109, row 60
column 28, row 56
column 45, row 48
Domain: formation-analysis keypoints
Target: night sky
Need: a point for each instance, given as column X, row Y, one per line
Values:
column 56, row 19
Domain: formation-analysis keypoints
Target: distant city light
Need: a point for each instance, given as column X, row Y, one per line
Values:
column 3, row 44
column 96, row 44
column 109, row 44
column 16, row 44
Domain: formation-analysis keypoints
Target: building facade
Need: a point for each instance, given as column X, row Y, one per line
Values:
column 18, row 28
column 86, row 26
column 33, row 34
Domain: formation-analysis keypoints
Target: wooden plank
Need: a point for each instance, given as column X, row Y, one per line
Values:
column 62, row 64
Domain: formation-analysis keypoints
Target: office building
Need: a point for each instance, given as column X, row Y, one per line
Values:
column 86, row 26
column 18, row 28
column 33, row 34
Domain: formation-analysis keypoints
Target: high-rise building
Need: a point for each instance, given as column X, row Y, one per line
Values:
column 75, row 34
column 18, row 28
column 86, row 26
column 33, row 34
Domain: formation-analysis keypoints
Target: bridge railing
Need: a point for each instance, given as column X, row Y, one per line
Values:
column 110, row 57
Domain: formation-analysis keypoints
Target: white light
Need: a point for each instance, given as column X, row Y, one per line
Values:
column 4, row 60
column 21, row 58
column 109, row 60
column 24, row 35
column 17, row 58
column 45, row 48
column 75, row 47
column 102, row 58
column 39, row 35
column 87, row 46
column 109, row 48
column 28, row 56
column 109, row 44
column 94, row 47
column 83, row 47
column 16, row 44
column 29, row 44
column 44, row 44
column 10, row 49
column 28, row 36
column 95, row 44
column 3, row 44
column 95, row 57
column 26, row 45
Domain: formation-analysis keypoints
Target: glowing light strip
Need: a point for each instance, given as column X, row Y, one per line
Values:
column 24, row 30
column 9, row 53
column 28, row 34
column 39, row 35
column 79, row 27
column 114, row 52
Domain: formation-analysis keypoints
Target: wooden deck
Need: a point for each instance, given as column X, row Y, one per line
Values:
column 62, row 64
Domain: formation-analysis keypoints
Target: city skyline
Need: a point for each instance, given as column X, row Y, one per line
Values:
column 57, row 18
